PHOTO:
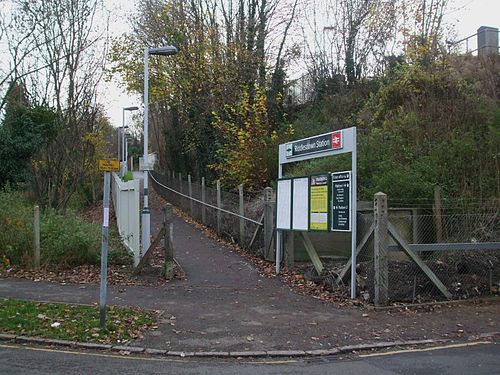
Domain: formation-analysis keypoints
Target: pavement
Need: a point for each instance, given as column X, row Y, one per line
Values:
column 225, row 304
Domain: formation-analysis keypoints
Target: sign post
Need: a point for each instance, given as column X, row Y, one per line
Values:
column 343, row 207
column 107, row 166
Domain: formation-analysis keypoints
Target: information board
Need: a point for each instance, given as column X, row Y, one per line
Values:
column 318, row 206
column 341, row 202
column 300, row 204
column 284, row 205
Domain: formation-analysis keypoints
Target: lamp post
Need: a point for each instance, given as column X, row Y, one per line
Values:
column 123, row 155
column 146, row 224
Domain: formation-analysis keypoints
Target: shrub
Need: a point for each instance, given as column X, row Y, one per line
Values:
column 128, row 176
column 16, row 227
column 66, row 239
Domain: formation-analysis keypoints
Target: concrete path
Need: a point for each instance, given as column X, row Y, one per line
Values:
column 226, row 305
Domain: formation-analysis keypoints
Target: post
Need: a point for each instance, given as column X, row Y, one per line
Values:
column 242, row 213
column 36, row 238
column 268, row 222
column 181, row 200
column 438, row 219
column 289, row 248
column 381, row 297
column 168, row 269
column 219, row 204
column 354, row 212
column 146, row 219
column 190, row 192
column 203, row 199
column 104, row 251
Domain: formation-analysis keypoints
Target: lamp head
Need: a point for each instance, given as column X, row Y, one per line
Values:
column 133, row 108
column 163, row 51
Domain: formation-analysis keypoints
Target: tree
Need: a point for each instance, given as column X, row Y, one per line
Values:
column 223, row 60
column 63, row 54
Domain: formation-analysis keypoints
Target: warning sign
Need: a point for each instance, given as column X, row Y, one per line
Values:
column 112, row 165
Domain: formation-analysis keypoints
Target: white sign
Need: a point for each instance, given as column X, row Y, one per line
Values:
column 300, row 209
column 284, row 205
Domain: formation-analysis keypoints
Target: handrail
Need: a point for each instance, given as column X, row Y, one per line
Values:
column 206, row 204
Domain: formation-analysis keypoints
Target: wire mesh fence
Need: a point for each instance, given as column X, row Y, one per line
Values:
column 461, row 250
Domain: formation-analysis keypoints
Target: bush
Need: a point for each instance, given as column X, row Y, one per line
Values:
column 66, row 239
column 16, row 228
column 128, row 176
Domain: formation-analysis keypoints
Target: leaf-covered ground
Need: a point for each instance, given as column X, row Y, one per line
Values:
column 73, row 322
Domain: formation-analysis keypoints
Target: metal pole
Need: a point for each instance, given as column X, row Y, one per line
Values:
column 354, row 214
column 104, row 251
column 145, row 211
column 123, row 132
column 118, row 141
column 36, row 239
column 279, row 234
column 126, row 155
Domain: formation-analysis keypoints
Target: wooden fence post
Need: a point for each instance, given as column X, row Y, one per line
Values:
column 36, row 237
column 181, row 200
column 381, row 234
column 204, row 200
column 242, row 213
column 219, row 204
column 268, row 223
column 438, row 214
column 168, row 268
column 190, row 192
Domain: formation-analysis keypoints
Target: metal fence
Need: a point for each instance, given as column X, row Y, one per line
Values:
column 237, row 216
column 421, row 257
column 454, row 256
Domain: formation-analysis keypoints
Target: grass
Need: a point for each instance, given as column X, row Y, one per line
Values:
column 77, row 322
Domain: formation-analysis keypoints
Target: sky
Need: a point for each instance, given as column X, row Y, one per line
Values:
column 466, row 16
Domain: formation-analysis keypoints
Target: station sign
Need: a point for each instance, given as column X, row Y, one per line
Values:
column 321, row 143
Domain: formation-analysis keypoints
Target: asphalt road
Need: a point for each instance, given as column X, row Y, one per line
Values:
column 473, row 359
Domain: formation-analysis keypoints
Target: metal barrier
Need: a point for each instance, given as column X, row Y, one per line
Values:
column 126, row 204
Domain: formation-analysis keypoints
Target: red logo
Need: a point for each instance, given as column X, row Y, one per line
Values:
column 337, row 140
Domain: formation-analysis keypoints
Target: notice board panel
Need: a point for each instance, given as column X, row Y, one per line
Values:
column 341, row 202
column 284, row 205
column 318, row 206
column 300, row 204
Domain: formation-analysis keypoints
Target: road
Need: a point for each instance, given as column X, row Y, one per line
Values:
column 479, row 358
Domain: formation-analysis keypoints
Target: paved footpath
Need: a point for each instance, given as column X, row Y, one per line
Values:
column 225, row 305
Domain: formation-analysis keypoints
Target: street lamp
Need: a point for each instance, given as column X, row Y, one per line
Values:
column 123, row 127
column 146, row 224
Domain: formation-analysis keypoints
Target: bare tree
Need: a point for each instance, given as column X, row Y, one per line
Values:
column 60, row 58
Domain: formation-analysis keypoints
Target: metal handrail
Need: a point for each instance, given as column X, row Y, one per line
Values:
column 206, row 204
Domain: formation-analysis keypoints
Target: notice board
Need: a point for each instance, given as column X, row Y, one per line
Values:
column 284, row 205
column 318, row 198
column 341, row 202
column 300, row 204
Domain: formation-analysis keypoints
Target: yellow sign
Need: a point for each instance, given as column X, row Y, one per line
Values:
column 318, row 208
column 112, row 165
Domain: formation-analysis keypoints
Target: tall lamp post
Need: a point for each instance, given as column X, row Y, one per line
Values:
column 123, row 127
column 146, row 224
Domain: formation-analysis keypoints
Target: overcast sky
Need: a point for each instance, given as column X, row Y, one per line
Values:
column 466, row 16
